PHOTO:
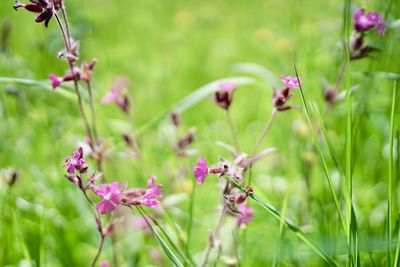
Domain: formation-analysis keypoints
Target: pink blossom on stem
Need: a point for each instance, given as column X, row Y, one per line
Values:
column 364, row 22
column 154, row 191
column 290, row 82
column 246, row 214
column 201, row 170
column 76, row 162
column 111, row 194
column 55, row 80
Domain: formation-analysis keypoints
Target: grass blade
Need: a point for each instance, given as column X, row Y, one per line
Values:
column 167, row 250
column 391, row 177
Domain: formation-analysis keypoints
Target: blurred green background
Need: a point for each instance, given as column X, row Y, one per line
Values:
column 168, row 49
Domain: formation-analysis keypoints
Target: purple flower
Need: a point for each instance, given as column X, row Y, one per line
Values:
column 280, row 97
column 224, row 96
column 76, row 162
column 149, row 198
column 201, row 170
column 43, row 7
column 111, row 194
column 290, row 82
column 55, row 80
column 246, row 214
column 364, row 22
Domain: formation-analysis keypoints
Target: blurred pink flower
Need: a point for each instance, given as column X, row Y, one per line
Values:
column 55, row 80
column 201, row 170
column 116, row 94
column 104, row 263
column 227, row 86
column 76, row 162
column 111, row 194
column 364, row 22
column 149, row 198
column 246, row 215
column 290, row 82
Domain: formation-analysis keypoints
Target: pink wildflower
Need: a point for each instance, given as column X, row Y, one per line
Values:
column 364, row 22
column 76, row 162
column 290, row 82
column 246, row 215
column 201, row 170
column 111, row 194
column 149, row 198
column 104, row 263
column 115, row 95
column 55, row 80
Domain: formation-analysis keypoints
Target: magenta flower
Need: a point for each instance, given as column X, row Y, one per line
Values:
column 55, row 80
column 104, row 263
column 290, row 82
column 201, row 170
column 246, row 214
column 227, row 86
column 116, row 94
column 76, row 162
column 149, row 198
column 364, row 22
column 111, row 194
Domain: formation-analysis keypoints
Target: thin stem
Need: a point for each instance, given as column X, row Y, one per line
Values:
column 98, row 251
column 214, row 236
column 76, row 86
column 339, row 80
column 233, row 131
column 91, row 103
column 263, row 135
column 64, row 13
column 66, row 42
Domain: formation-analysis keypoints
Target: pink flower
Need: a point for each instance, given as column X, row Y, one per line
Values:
column 149, row 198
column 290, row 82
column 55, row 81
column 111, row 194
column 201, row 170
column 227, row 86
column 76, row 162
column 246, row 215
column 104, row 263
column 364, row 22
column 115, row 95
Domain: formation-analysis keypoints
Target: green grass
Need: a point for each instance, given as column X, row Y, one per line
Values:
column 334, row 169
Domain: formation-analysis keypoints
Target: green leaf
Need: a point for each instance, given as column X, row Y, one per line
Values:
column 252, row 68
column 39, row 84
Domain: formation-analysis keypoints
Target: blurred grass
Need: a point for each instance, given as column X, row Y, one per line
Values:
column 168, row 50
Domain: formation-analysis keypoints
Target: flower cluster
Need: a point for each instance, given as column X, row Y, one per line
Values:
column 234, row 198
column 113, row 194
column 363, row 22
column 281, row 96
column 83, row 73
column 44, row 8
